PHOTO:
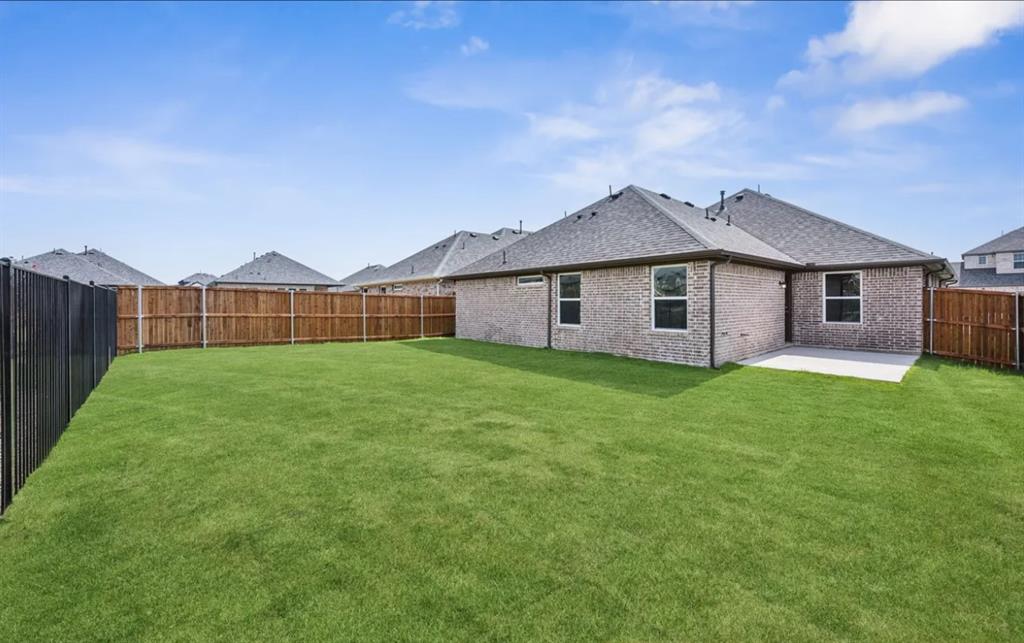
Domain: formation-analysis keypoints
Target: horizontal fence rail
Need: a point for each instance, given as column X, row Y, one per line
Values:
column 166, row 317
column 59, row 338
column 981, row 326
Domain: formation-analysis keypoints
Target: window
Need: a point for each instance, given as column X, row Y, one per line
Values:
column 1018, row 261
column 842, row 297
column 398, row 288
column 569, row 299
column 530, row 280
column 668, row 297
column 982, row 260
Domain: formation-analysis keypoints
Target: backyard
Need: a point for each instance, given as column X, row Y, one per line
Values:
column 447, row 489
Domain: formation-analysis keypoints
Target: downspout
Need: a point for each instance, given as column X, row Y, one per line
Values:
column 550, row 284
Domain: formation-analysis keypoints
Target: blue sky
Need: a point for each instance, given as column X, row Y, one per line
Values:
column 184, row 137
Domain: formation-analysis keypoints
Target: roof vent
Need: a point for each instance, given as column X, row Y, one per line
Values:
column 615, row 196
column 579, row 216
column 593, row 214
column 665, row 196
column 687, row 203
column 739, row 197
column 472, row 234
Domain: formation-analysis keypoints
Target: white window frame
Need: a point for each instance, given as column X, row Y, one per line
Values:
column 397, row 287
column 685, row 298
column 982, row 260
column 1013, row 260
column 825, row 297
column 529, row 284
column 558, row 284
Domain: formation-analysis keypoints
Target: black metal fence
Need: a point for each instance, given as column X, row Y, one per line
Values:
column 58, row 338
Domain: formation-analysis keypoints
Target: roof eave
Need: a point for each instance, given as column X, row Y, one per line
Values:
column 633, row 261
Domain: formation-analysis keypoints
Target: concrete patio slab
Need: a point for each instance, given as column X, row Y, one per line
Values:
column 888, row 367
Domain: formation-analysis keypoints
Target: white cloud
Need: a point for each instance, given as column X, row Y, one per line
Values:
column 903, row 39
column 562, row 127
column 425, row 14
column 475, row 45
column 775, row 103
column 872, row 114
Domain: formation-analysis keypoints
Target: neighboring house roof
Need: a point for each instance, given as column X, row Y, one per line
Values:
column 275, row 268
column 637, row 224
column 130, row 274
column 200, row 278
column 446, row 256
column 812, row 238
column 1012, row 241
column 364, row 274
column 58, row 263
column 986, row 278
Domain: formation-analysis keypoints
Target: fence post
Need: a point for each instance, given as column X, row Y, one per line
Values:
column 1017, row 329
column 92, row 289
column 67, row 321
column 931, row 320
column 291, row 312
column 364, row 315
column 7, row 379
column 202, row 328
column 138, row 310
column 421, row 316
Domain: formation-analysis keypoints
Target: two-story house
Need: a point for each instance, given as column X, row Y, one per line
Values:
column 995, row 265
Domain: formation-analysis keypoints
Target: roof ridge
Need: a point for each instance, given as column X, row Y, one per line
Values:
column 837, row 222
column 701, row 239
column 978, row 249
column 448, row 253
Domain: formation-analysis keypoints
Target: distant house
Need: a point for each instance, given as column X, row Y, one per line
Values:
column 995, row 265
column 197, row 279
column 641, row 274
column 89, row 265
column 274, row 270
column 364, row 275
column 426, row 271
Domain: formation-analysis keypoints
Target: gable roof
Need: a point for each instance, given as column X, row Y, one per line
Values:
column 275, row 268
column 446, row 256
column 811, row 238
column 633, row 224
column 361, row 275
column 129, row 274
column 1012, row 241
column 637, row 225
column 60, row 262
column 201, row 278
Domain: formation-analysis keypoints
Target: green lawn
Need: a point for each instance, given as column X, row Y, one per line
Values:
column 446, row 489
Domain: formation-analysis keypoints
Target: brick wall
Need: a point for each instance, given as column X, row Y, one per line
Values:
column 423, row 287
column 890, row 311
column 615, row 315
column 750, row 311
column 497, row 310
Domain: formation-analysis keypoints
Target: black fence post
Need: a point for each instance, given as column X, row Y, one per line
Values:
column 92, row 331
column 7, row 380
column 67, row 334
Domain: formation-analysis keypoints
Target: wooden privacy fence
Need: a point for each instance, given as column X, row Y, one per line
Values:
column 190, row 317
column 977, row 325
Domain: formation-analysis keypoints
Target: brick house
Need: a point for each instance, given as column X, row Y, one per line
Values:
column 995, row 265
column 426, row 272
column 644, row 275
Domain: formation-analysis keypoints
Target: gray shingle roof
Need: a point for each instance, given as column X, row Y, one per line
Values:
column 131, row 275
column 201, row 278
column 632, row 224
column 1012, row 241
column 359, row 276
column 60, row 262
column 447, row 256
column 275, row 268
column 810, row 237
column 986, row 278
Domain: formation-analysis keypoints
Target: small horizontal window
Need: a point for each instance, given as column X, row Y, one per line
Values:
column 1018, row 261
column 398, row 287
column 529, row 280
